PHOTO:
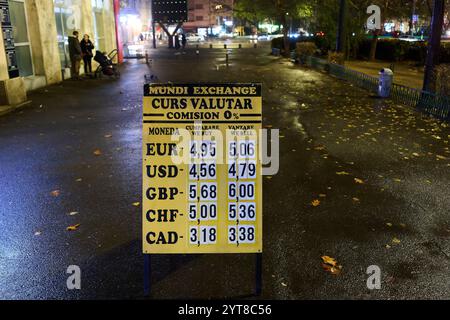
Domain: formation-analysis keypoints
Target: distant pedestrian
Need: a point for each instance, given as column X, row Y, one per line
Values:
column 177, row 41
column 86, row 49
column 183, row 40
column 75, row 55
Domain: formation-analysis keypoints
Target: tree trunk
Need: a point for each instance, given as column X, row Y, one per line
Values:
column 373, row 46
column 434, row 45
column 287, row 47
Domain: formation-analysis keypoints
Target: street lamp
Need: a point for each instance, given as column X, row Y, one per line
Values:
column 290, row 23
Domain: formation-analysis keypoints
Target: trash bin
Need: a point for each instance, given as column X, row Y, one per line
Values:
column 385, row 82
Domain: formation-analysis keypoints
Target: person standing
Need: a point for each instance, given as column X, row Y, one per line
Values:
column 86, row 50
column 177, row 41
column 75, row 55
column 183, row 40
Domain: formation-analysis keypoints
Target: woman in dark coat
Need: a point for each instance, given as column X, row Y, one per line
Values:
column 86, row 49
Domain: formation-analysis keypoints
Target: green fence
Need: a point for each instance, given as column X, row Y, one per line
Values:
column 427, row 102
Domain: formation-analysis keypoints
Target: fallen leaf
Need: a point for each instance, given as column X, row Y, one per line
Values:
column 97, row 152
column 359, row 181
column 396, row 241
column 108, row 135
column 79, row 180
column 37, row 233
column 397, row 180
column 284, row 284
column 342, row 173
column 55, row 193
column 355, row 199
column 333, row 270
column 136, row 204
column 73, row 213
column 329, row 260
column 315, row 203
column 73, row 228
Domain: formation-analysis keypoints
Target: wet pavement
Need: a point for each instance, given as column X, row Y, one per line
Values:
column 377, row 173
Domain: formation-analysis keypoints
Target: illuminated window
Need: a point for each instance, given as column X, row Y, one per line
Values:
column 21, row 39
column 68, row 19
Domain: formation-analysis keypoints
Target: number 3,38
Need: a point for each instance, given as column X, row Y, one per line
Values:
column 241, row 234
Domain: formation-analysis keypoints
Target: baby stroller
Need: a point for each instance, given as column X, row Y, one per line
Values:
column 106, row 66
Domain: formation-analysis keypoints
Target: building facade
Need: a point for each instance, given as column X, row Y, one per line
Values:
column 34, row 48
column 209, row 16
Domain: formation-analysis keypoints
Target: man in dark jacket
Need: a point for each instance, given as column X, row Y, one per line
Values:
column 75, row 55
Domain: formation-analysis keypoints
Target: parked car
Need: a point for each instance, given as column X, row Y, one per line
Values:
column 194, row 37
column 263, row 36
column 408, row 37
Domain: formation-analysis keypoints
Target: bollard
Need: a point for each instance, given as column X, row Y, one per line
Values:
column 385, row 82
column 196, row 46
column 210, row 45
column 146, row 56
column 225, row 46
column 254, row 46
column 240, row 46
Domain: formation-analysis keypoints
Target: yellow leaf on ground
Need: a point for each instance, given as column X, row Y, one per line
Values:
column 97, row 152
column 342, row 173
column 315, row 203
column 396, row 241
column 136, row 204
column 333, row 270
column 55, row 193
column 359, row 181
column 329, row 260
column 73, row 228
column 389, row 224
column 355, row 199
column 330, row 265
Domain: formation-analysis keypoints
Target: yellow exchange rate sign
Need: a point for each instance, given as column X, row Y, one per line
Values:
column 202, row 184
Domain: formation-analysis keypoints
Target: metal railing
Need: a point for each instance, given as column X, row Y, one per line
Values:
column 427, row 102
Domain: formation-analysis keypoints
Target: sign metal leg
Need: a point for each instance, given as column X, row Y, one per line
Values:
column 147, row 275
column 258, row 274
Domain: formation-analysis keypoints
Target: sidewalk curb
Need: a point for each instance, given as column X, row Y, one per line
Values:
column 4, row 110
